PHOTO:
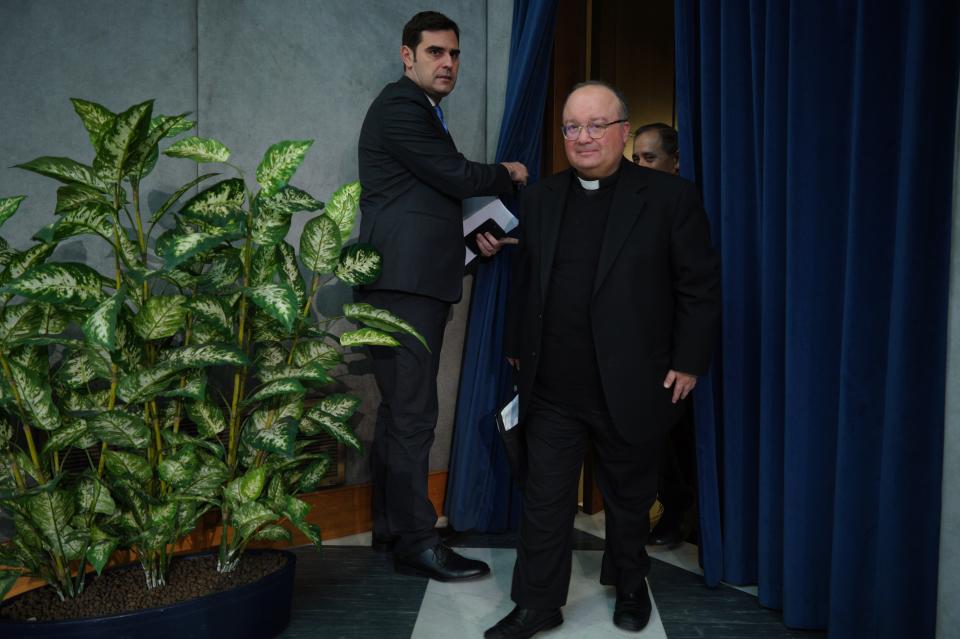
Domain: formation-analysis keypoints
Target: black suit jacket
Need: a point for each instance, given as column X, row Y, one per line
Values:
column 656, row 295
column 413, row 181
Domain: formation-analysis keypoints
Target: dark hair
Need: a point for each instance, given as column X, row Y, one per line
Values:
column 624, row 112
column 426, row 21
column 668, row 136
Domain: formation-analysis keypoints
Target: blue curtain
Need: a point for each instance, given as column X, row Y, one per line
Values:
column 820, row 134
column 481, row 494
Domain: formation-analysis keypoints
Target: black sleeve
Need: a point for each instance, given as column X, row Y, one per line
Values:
column 519, row 283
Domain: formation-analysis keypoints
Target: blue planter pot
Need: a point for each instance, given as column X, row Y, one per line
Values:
column 254, row 611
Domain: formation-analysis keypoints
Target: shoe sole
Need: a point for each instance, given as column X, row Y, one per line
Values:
column 403, row 569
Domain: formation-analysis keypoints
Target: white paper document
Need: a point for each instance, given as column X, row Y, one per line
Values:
column 477, row 210
column 510, row 414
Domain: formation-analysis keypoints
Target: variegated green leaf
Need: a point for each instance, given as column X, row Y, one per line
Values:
column 73, row 433
column 295, row 509
column 270, row 227
column 249, row 516
column 342, row 208
column 359, row 264
column 21, row 262
column 313, row 372
column 199, row 150
column 289, row 200
column 145, row 154
column 128, row 465
column 64, row 283
column 120, row 429
column 279, row 387
column 314, row 475
column 6, row 253
column 382, row 320
column 91, row 217
column 252, row 483
column 120, row 139
column 94, row 497
column 320, row 245
column 207, row 355
column 291, row 272
column 64, row 170
column 192, row 387
column 208, row 479
column 183, row 247
column 208, row 417
column 50, row 512
column 161, row 317
column 99, row 552
column 278, row 438
column 279, row 164
column 20, row 320
column 179, row 468
column 313, row 351
column 35, row 397
column 181, row 124
column 96, row 118
column 339, row 406
column 273, row 533
column 145, row 384
column 264, row 265
column 318, row 421
column 6, row 434
column 100, row 327
column 277, row 301
column 218, row 205
column 71, row 196
column 225, row 269
column 175, row 197
column 9, row 206
column 367, row 337
column 210, row 310
column 180, row 439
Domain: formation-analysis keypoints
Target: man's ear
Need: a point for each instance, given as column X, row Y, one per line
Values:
column 408, row 56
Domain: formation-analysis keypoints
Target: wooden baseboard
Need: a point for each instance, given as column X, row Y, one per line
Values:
column 338, row 511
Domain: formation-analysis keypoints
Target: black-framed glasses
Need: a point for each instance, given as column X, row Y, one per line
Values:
column 595, row 130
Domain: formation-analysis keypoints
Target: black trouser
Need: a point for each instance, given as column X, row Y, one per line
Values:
column 406, row 419
column 557, row 439
column 678, row 466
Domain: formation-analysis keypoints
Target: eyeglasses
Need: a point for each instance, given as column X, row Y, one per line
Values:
column 594, row 130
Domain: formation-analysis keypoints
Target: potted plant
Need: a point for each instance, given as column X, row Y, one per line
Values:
column 182, row 375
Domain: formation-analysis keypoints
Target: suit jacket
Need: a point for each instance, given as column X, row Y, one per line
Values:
column 413, row 182
column 656, row 294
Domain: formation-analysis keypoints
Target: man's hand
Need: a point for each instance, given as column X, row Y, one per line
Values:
column 518, row 172
column 682, row 384
column 514, row 361
column 490, row 246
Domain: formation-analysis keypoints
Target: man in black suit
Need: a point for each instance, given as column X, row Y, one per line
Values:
column 615, row 302
column 413, row 181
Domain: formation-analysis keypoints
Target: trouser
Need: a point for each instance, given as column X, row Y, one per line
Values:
column 557, row 438
column 678, row 467
column 406, row 419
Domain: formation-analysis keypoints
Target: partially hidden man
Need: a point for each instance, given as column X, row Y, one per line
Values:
column 413, row 181
column 614, row 308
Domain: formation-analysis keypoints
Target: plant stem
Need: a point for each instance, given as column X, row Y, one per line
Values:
column 27, row 431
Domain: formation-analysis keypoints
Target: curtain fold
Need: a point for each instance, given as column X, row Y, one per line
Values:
column 481, row 494
column 816, row 133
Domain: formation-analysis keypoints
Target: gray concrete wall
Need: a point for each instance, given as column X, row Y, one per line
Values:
column 948, row 591
column 253, row 72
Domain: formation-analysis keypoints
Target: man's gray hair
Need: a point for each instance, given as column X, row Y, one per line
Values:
column 624, row 112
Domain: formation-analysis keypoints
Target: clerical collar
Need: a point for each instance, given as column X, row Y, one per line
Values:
column 602, row 183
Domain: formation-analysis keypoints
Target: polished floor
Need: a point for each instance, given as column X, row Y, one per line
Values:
column 349, row 591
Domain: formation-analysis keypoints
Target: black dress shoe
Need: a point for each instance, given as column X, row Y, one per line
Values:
column 442, row 564
column 524, row 622
column 668, row 531
column 632, row 611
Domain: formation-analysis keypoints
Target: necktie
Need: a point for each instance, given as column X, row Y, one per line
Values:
column 439, row 111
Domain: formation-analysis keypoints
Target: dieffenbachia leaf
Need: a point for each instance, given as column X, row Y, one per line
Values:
column 119, row 140
column 64, row 170
column 71, row 196
column 367, row 337
column 277, row 301
column 144, row 156
column 314, row 475
column 312, row 351
column 278, row 438
column 252, row 483
column 9, row 206
column 35, row 396
column 337, row 429
column 291, row 272
column 161, row 317
column 207, row 481
column 19, row 320
column 100, row 327
column 289, row 200
column 320, row 244
column 339, row 406
column 50, row 511
column 94, row 497
column 145, row 383
column 159, row 213
column 179, row 468
column 210, row 310
column 61, row 283
column 128, row 465
column 73, row 432
column 279, row 387
column 121, row 429
column 208, row 417
column 193, row 386
column 359, row 264
column 311, row 373
column 273, row 533
column 270, row 227
column 96, row 119
column 382, row 320
column 342, row 208
column 251, row 515
column 100, row 550
column 297, row 511
column 218, row 205
column 199, row 150
column 182, row 247
column 279, row 164
column 181, row 124
column 263, row 265
column 90, row 217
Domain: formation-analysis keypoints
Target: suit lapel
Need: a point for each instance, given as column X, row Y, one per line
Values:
column 626, row 208
column 551, row 214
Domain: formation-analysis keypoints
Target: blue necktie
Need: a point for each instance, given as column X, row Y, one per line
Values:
column 439, row 111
